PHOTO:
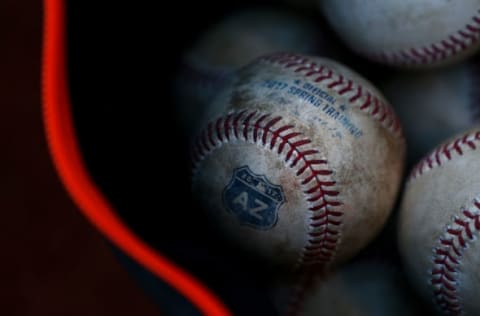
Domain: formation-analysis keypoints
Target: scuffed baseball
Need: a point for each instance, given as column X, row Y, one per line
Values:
column 418, row 33
column 439, row 222
column 435, row 105
column 299, row 160
column 232, row 43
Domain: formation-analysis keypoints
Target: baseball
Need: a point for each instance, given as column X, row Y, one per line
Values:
column 364, row 288
column 233, row 42
column 299, row 161
column 439, row 222
column 408, row 32
column 435, row 105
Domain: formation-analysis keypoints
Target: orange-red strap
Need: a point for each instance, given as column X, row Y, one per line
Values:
column 73, row 173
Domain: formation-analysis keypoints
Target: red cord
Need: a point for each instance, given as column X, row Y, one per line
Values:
column 71, row 169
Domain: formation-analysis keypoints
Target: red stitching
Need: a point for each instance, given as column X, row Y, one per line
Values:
column 325, row 217
column 372, row 105
column 454, row 44
column 457, row 146
column 451, row 245
column 447, row 259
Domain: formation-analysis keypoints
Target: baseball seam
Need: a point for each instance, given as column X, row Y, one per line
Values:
column 357, row 95
column 453, row 44
column 446, row 153
column 447, row 258
column 311, row 169
column 447, row 254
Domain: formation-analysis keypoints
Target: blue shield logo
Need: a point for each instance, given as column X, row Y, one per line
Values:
column 253, row 199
